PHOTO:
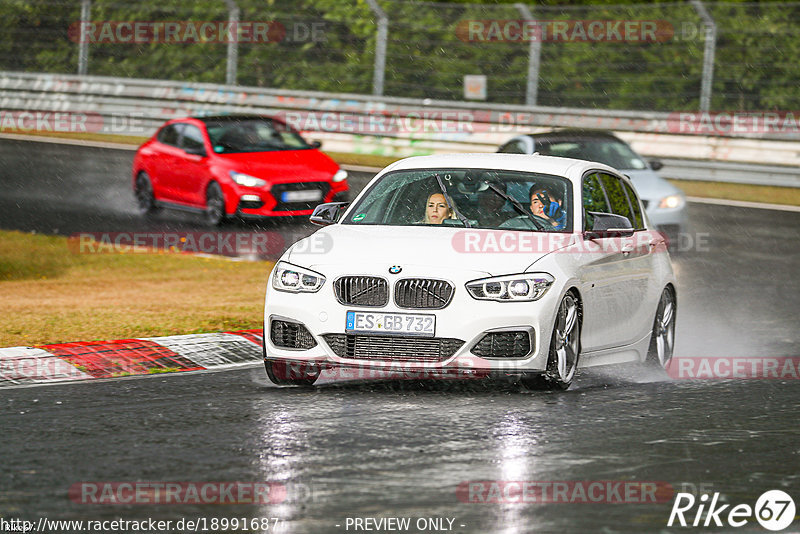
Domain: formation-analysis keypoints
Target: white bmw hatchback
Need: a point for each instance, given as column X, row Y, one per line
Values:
column 474, row 265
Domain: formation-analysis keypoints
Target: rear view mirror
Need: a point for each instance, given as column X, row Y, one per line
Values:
column 329, row 213
column 656, row 164
column 316, row 144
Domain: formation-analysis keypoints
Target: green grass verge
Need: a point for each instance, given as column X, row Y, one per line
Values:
column 51, row 294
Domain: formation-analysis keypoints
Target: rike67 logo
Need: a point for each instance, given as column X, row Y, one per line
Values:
column 774, row 510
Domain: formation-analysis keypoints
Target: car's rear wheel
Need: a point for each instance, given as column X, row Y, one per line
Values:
column 291, row 374
column 565, row 345
column 662, row 342
column 145, row 199
column 215, row 205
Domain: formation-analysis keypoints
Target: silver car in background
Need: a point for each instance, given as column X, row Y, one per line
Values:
column 664, row 203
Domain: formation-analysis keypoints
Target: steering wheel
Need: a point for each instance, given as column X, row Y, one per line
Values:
column 524, row 222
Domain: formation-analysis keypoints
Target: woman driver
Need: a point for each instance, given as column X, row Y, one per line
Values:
column 437, row 210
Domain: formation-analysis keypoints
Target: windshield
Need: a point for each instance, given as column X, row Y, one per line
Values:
column 477, row 198
column 253, row 135
column 608, row 151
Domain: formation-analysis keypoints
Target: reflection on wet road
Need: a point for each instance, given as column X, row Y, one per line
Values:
column 402, row 448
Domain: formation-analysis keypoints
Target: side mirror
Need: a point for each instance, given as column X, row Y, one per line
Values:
column 656, row 164
column 329, row 213
column 197, row 151
column 608, row 225
column 316, row 144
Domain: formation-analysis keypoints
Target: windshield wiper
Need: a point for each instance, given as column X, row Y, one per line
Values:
column 519, row 207
column 450, row 203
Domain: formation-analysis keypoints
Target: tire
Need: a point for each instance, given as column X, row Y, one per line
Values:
column 565, row 348
column 285, row 374
column 145, row 199
column 662, row 341
column 215, row 205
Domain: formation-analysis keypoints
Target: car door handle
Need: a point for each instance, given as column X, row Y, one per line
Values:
column 627, row 248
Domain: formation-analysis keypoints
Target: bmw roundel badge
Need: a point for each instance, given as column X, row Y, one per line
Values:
column 394, row 269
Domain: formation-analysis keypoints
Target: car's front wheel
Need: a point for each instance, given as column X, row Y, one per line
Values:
column 145, row 199
column 215, row 205
column 291, row 374
column 565, row 345
column 662, row 341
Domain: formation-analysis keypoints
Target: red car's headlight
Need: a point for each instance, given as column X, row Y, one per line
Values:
column 247, row 180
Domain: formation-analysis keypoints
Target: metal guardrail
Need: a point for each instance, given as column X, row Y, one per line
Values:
column 740, row 173
column 388, row 126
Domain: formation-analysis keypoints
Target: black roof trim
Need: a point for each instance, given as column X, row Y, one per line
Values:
column 233, row 117
column 572, row 134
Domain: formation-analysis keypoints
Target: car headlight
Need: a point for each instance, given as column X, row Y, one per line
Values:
column 295, row 279
column 671, row 202
column 340, row 175
column 247, row 180
column 511, row 288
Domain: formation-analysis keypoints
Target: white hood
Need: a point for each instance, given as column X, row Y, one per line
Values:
column 481, row 252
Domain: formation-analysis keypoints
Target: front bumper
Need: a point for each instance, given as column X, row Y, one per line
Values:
column 253, row 202
column 668, row 220
column 461, row 330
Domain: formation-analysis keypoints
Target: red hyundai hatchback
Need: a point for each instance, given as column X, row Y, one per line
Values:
column 234, row 165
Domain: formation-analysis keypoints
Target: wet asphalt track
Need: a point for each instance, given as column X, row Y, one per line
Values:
column 402, row 448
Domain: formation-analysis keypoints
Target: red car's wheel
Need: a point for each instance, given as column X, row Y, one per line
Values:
column 145, row 200
column 215, row 205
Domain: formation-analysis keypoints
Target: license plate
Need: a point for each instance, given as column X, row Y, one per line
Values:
column 391, row 323
column 309, row 195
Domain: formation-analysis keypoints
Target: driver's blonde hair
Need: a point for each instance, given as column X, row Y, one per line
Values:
column 450, row 213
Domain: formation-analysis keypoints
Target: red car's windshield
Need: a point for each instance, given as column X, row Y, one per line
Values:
column 253, row 135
